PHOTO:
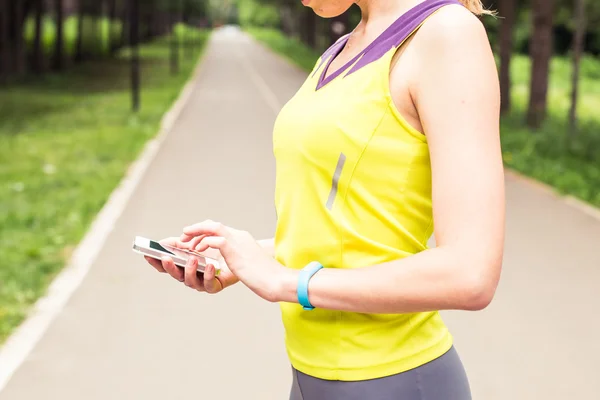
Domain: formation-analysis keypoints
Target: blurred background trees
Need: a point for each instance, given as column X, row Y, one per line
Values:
column 547, row 53
column 41, row 35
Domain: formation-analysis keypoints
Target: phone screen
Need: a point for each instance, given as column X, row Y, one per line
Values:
column 157, row 246
column 183, row 254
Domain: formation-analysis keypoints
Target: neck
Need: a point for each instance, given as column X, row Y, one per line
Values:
column 384, row 9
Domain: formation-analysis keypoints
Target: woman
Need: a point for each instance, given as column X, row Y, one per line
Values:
column 396, row 128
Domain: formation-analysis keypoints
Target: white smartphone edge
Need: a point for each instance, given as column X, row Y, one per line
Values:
column 141, row 245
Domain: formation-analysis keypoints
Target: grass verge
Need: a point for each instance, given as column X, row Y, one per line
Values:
column 66, row 141
column 571, row 166
column 293, row 49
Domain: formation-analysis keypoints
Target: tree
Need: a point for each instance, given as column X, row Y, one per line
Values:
column 541, row 47
column 578, row 44
column 5, row 64
column 308, row 28
column 288, row 15
column 113, row 44
column 79, row 46
column 97, row 37
column 125, row 21
column 339, row 26
column 508, row 11
column 19, row 11
column 59, row 55
column 175, row 18
column 134, row 19
column 38, row 55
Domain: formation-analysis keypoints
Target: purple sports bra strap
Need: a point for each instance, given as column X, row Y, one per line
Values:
column 400, row 30
column 392, row 37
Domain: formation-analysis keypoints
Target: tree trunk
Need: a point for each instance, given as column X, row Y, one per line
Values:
column 59, row 43
column 309, row 28
column 578, row 44
column 507, row 10
column 134, row 17
column 150, row 32
column 79, row 46
column 125, row 29
column 5, row 64
column 541, row 47
column 284, row 20
column 97, row 36
column 174, row 41
column 38, row 56
column 339, row 27
column 189, row 39
column 112, row 19
column 143, row 25
column 162, row 22
column 289, row 19
column 303, row 31
column 19, row 55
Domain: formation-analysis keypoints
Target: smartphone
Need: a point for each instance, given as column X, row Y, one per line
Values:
column 180, row 257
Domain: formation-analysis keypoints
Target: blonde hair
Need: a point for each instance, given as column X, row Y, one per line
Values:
column 476, row 7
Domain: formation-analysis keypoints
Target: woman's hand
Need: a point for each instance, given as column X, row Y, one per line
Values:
column 245, row 257
column 206, row 282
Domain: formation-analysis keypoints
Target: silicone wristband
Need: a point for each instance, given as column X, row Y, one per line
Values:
column 305, row 275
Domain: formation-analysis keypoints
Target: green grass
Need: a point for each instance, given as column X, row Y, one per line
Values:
column 297, row 52
column 65, row 143
column 572, row 168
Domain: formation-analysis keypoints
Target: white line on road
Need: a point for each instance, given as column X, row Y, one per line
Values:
column 262, row 86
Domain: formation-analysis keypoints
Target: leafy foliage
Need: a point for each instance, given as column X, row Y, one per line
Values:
column 253, row 13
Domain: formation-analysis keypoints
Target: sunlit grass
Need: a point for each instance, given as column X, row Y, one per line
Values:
column 572, row 167
column 293, row 49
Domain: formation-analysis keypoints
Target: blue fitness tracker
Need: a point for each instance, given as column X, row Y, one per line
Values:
column 305, row 274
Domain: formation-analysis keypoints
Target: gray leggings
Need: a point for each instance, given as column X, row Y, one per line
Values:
column 441, row 379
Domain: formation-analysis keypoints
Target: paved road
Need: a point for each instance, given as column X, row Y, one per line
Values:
column 130, row 333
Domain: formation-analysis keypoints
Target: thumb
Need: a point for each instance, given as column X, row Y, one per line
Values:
column 211, row 283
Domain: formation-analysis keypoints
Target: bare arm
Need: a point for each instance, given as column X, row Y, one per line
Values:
column 457, row 98
column 268, row 245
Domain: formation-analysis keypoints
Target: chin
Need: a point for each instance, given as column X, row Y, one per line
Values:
column 329, row 8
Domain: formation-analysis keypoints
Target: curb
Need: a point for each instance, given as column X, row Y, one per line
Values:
column 22, row 341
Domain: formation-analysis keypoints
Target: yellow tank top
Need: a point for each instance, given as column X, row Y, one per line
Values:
column 353, row 189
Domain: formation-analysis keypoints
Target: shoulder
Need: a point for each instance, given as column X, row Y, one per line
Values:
column 452, row 28
column 452, row 62
column 451, row 42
